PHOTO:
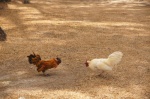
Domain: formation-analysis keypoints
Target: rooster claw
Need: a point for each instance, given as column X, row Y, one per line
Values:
column 100, row 76
column 46, row 75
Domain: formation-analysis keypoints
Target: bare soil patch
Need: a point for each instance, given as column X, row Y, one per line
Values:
column 75, row 30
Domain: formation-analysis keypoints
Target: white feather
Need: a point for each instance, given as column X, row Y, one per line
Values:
column 106, row 63
column 114, row 58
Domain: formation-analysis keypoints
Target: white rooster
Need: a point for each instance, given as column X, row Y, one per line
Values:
column 105, row 64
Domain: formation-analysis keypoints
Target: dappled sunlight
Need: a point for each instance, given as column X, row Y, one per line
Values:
column 5, row 83
column 6, row 80
column 7, row 24
column 131, row 26
column 48, row 2
column 26, row 12
column 103, row 92
column 12, row 6
column 19, row 73
column 90, row 4
column 83, row 23
column 31, row 28
column 75, row 30
column 129, row 3
column 106, row 91
column 48, row 41
column 70, row 94
column 33, row 16
column 54, row 41
column 123, row 1
column 133, row 35
column 15, row 40
column 34, row 39
column 140, row 90
column 82, row 6
column 135, row 29
column 46, row 94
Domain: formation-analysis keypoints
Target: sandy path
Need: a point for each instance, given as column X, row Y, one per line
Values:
column 75, row 30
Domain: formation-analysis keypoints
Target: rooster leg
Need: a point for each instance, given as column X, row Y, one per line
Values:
column 101, row 73
column 44, row 73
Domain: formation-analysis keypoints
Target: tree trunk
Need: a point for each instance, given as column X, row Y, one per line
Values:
column 2, row 35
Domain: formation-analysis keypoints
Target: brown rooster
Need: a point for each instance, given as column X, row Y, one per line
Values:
column 43, row 65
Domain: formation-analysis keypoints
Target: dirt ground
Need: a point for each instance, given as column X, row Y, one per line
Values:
column 75, row 30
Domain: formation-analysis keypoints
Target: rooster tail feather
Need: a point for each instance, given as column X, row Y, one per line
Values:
column 114, row 58
column 30, row 58
column 33, row 53
column 105, row 67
